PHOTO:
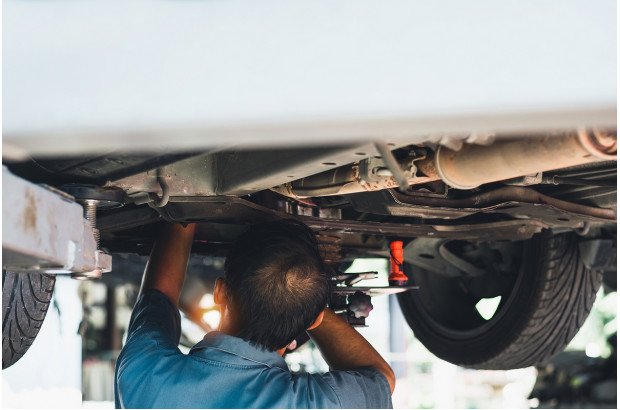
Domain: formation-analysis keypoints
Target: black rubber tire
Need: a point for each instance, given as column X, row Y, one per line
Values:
column 551, row 297
column 25, row 300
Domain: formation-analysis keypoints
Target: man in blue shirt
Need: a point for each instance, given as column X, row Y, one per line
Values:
column 276, row 287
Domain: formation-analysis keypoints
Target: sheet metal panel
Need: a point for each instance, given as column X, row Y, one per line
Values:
column 86, row 75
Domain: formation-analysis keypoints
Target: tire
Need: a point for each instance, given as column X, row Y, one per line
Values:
column 550, row 296
column 25, row 300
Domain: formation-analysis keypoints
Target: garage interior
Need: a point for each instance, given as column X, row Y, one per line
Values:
column 86, row 323
column 481, row 136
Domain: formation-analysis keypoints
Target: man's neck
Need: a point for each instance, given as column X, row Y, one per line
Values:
column 226, row 328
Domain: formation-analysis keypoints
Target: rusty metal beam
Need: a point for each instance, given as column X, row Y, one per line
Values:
column 44, row 231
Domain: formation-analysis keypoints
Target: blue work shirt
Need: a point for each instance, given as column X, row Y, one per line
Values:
column 223, row 371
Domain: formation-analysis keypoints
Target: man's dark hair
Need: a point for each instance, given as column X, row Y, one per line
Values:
column 277, row 283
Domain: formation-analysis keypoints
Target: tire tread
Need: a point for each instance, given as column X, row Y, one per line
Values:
column 25, row 300
column 552, row 300
column 568, row 291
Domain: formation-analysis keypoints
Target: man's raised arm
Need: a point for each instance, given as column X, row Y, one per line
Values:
column 345, row 349
column 165, row 270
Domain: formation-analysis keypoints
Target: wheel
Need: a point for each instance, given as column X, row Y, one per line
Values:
column 545, row 296
column 25, row 299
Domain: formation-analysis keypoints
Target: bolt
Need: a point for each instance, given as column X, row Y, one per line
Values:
column 90, row 213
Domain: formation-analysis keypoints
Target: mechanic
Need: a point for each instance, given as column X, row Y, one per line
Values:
column 275, row 288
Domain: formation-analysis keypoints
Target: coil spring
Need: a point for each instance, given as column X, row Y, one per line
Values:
column 330, row 248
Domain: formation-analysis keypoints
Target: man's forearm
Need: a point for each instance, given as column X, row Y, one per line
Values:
column 165, row 270
column 345, row 349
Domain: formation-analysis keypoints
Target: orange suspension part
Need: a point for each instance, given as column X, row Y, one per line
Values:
column 397, row 274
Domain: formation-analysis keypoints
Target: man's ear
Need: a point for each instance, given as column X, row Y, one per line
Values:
column 219, row 294
column 317, row 321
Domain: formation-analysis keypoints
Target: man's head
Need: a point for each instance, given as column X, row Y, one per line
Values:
column 276, row 283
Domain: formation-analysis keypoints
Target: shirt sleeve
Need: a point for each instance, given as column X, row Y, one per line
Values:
column 153, row 334
column 155, row 317
column 363, row 388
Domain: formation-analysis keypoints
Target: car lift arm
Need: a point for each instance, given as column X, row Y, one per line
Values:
column 44, row 231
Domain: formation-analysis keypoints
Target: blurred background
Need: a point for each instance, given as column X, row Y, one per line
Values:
column 71, row 363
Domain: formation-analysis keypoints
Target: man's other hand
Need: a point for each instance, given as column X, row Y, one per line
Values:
column 345, row 349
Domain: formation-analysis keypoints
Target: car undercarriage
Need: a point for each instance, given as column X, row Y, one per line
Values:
column 467, row 210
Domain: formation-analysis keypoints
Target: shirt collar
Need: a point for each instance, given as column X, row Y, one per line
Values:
column 220, row 346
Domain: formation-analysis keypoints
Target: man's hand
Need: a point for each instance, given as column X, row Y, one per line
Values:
column 165, row 270
column 345, row 349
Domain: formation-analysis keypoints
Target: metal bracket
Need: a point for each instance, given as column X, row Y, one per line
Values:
column 386, row 167
column 393, row 166
column 45, row 232
column 432, row 254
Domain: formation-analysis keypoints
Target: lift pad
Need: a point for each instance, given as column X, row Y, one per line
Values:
column 44, row 231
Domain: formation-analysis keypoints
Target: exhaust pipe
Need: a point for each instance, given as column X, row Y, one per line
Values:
column 475, row 165
column 368, row 175
column 468, row 168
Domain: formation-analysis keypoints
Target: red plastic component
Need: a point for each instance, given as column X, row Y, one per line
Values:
column 397, row 274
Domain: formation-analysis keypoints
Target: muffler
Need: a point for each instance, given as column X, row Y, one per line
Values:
column 475, row 165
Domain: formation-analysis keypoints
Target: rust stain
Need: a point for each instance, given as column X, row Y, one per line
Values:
column 29, row 217
column 52, row 233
